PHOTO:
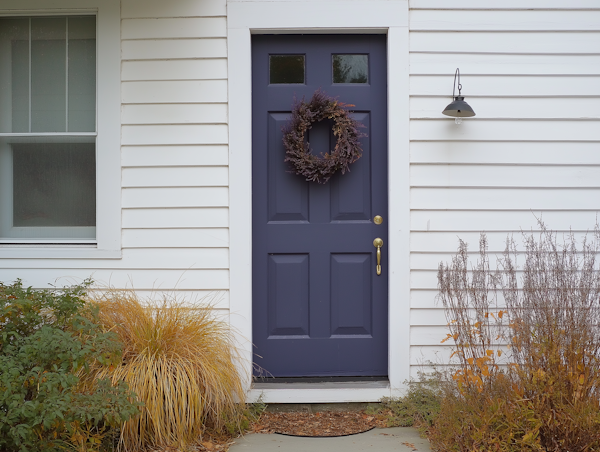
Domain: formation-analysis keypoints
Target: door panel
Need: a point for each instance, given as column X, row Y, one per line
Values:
column 351, row 288
column 319, row 309
column 288, row 295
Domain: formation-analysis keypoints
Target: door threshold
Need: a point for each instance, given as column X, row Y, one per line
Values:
column 320, row 379
column 320, row 384
column 320, row 392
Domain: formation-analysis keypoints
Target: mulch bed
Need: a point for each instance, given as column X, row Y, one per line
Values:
column 322, row 424
column 300, row 423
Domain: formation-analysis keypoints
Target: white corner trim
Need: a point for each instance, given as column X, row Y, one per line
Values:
column 327, row 16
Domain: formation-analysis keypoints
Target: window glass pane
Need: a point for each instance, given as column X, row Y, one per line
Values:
column 54, row 81
column 82, row 74
column 286, row 69
column 47, row 187
column 14, row 75
column 350, row 69
column 54, row 184
column 48, row 74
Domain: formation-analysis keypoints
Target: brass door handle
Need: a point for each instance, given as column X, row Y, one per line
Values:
column 378, row 243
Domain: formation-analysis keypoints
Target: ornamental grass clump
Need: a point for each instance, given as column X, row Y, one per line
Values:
column 180, row 361
column 528, row 348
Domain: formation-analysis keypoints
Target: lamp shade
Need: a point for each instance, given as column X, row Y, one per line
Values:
column 458, row 108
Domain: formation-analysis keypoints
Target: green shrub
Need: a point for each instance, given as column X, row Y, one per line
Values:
column 47, row 339
column 542, row 391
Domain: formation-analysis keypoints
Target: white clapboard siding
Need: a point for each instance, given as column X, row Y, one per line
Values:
column 517, row 20
column 507, row 4
column 505, row 152
column 209, row 217
column 205, row 155
column 204, row 69
column 174, row 156
column 434, row 242
column 514, row 43
column 428, row 335
column 443, row 175
column 428, row 63
column 217, row 299
column 532, row 199
column 426, row 317
column 182, row 259
column 514, row 85
column 155, row 197
column 180, row 91
column 180, row 8
column 423, row 279
column 425, row 298
column 499, row 220
column 531, row 73
column 424, row 107
column 504, row 130
column 174, row 114
column 436, row 354
column 175, row 176
column 181, row 27
column 140, row 279
column 174, row 134
column 166, row 49
column 427, row 260
column 217, row 258
column 175, row 238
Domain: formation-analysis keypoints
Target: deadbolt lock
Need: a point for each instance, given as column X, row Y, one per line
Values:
column 377, row 219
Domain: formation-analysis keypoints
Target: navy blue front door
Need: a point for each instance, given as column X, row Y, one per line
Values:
column 319, row 307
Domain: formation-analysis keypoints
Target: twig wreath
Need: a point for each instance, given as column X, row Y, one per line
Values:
column 347, row 148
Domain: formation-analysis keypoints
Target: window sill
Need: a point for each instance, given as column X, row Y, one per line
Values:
column 57, row 252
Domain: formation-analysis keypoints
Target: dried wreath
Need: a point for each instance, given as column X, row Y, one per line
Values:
column 347, row 148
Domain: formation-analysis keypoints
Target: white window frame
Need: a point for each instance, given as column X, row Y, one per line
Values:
column 108, row 116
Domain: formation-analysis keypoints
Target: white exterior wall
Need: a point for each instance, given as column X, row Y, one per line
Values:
column 533, row 78
column 174, row 154
column 531, row 75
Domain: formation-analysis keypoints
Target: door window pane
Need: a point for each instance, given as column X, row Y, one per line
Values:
column 350, row 68
column 286, row 69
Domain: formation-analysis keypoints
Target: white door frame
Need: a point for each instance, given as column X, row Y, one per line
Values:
column 390, row 17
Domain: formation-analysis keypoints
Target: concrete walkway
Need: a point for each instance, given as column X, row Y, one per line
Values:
column 397, row 439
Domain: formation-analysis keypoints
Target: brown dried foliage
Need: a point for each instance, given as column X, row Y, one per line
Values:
column 541, row 392
column 347, row 148
column 180, row 360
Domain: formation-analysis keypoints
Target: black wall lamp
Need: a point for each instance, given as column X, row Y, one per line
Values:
column 458, row 108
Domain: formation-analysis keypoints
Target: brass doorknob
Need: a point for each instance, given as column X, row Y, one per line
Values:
column 378, row 243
